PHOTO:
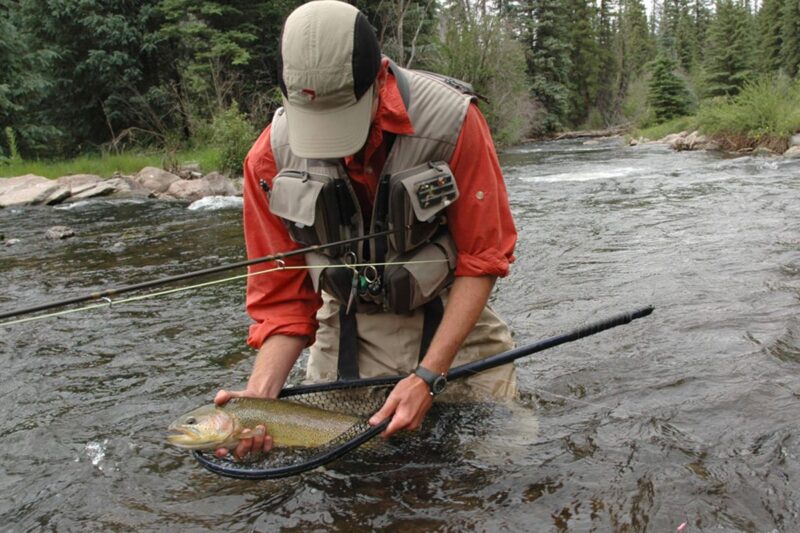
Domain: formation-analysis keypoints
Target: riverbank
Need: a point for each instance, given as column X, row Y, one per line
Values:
column 43, row 184
column 682, row 134
column 188, row 184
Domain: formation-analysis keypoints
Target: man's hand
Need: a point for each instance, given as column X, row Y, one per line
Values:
column 409, row 402
column 260, row 440
column 411, row 398
column 272, row 365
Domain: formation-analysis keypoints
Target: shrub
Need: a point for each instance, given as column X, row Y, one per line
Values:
column 232, row 135
column 13, row 151
column 635, row 108
column 766, row 112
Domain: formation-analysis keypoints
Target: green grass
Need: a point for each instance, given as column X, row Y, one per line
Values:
column 676, row 125
column 765, row 113
column 106, row 165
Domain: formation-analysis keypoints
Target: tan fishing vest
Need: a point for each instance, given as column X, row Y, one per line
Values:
column 317, row 203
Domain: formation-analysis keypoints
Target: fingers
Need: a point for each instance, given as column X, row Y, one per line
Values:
column 385, row 412
column 222, row 397
column 407, row 404
column 406, row 418
column 243, row 448
column 253, row 441
column 258, row 439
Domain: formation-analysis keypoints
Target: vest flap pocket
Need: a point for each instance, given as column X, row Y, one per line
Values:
column 429, row 269
column 425, row 273
column 430, row 188
column 295, row 199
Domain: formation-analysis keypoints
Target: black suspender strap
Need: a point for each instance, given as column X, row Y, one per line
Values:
column 348, row 345
column 434, row 311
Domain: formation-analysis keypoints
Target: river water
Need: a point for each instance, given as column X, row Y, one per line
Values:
column 685, row 419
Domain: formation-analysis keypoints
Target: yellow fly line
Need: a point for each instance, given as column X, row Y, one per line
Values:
column 108, row 302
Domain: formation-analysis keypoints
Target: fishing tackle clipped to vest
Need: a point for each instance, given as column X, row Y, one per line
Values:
column 318, row 205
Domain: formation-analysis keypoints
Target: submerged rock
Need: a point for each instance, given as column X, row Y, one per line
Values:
column 59, row 232
column 213, row 203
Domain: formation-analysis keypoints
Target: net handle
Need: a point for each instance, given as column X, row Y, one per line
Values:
column 458, row 372
column 470, row 369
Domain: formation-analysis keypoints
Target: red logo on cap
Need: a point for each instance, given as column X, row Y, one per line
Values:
column 310, row 93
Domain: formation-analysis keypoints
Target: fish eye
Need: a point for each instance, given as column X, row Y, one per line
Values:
column 191, row 420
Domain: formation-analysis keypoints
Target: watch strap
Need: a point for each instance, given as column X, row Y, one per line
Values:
column 431, row 378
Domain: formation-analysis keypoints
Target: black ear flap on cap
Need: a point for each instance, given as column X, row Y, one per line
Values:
column 366, row 56
column 281, row 83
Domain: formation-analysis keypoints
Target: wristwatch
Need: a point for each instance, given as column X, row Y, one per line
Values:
column 436, row 382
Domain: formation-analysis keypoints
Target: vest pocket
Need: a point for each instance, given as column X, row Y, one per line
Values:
column 425, row 272
column 310, row 206
column 417, row 197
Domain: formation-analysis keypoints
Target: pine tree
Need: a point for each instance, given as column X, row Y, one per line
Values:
column 584, row 54
column 635, row 44
column 677, row 33
column 701, row 19
column 549, row 63
column 99, row 54
column 729, row 54
column 769, row 22
column 790, row 36
column 607, row 64
column 668, row 95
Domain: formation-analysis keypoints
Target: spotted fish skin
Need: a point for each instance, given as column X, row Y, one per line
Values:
column 290, row 424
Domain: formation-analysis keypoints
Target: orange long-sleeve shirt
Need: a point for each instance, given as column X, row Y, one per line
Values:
column 284, row 302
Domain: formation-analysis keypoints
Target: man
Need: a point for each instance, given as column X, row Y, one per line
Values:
column 361, row 146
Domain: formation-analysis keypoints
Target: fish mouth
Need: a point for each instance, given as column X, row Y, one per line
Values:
column 192, row 439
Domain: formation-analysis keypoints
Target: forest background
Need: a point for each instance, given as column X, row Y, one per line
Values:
column 189, row 78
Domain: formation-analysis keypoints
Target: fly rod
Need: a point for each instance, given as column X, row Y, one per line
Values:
column 107, row 293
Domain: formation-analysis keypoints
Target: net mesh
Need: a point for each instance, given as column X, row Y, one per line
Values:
column 358, row 400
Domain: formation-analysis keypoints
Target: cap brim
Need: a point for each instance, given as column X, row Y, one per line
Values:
column 329, row 134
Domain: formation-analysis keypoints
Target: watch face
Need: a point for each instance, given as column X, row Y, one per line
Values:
column 438, row 385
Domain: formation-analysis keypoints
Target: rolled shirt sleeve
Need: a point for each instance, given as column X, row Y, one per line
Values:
column 282, row 301
column 480, row 220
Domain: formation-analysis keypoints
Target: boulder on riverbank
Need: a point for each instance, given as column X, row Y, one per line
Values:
column 30, row 189
column 150, row 182
column 696, row 141
column 688, row 141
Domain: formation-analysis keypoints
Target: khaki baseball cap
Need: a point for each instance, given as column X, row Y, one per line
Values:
column 330, row 58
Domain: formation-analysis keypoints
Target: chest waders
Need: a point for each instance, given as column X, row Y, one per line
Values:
column 318, row 205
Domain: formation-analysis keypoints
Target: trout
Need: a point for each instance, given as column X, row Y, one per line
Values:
column 288, row 423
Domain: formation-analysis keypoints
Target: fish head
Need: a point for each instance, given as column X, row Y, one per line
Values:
column 205, row 428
